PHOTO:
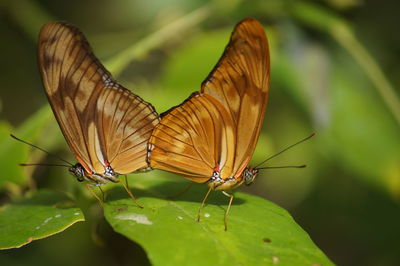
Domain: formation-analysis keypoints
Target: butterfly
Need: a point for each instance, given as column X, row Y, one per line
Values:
column 210, row 137
column 105, row 125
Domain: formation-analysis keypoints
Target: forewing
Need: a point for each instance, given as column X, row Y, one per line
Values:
column 101, row 121
column 240, row 82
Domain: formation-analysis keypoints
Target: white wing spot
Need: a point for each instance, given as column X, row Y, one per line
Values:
column 77, row 213
column 108, row 82
column 57, row 216
column 207, row 215
column 138, row 218
column 275, row 259
column 180, row 217
column 150, row 147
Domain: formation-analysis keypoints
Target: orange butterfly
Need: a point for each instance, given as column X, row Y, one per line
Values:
column 105, row 125
column 210, row 138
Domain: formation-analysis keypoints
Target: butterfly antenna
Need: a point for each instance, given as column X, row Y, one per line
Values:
column 287, row 148
column 285, row 166
column 43, row 164
column 34, row 146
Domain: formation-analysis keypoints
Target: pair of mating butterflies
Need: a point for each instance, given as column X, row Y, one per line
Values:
column 209, row 138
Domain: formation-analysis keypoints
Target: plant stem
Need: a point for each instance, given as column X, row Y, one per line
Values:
column 346, row 38
column 118, row 62
column 326, row 21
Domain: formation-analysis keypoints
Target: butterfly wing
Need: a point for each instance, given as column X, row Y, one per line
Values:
column 102, row 122
column 218, row 128
column 192, row 138
column 240, row 81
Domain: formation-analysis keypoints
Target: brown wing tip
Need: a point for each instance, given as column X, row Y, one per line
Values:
column 53, row 33
column 250, row 25
column 59, row 31
column 48, row 30
column 59, row 24
column 247, row 29
column 249, row 20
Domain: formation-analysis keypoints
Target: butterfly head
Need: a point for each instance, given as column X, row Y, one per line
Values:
column 249, row 175
column 82, row 174
column 79, row 172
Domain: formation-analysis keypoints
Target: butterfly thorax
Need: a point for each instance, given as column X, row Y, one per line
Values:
column 247, row 177
column 82, row 174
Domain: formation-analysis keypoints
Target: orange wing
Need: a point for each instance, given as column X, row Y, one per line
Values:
column 192, row 138
column 102, row 122
column 218, row 127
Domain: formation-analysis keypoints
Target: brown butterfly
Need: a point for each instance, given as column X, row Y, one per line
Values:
column 210, row 138
column 106, row 126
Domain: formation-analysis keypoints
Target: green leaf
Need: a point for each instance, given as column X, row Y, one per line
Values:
column 44, row 214
column 259, row 232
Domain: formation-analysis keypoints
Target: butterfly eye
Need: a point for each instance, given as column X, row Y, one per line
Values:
column 78, row 171
column 249, row 176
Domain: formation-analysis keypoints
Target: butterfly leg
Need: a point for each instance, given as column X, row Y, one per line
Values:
column 103, row 197
column 90, row 188
column 126, row 186
column 227, row 210
column 202, row 204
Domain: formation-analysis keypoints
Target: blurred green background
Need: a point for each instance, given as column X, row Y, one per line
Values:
column 335, row 71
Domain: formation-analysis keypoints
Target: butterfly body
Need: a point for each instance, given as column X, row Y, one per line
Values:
column 106, row 126
column 211, row 136
column 83, row 174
